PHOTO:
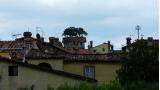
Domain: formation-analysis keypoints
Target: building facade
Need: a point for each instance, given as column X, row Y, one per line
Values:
column 103, row 48
column 14, row 75
column 103, row 71
column 54, row 55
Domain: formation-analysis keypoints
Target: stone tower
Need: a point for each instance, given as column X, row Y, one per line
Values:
column 74, row 44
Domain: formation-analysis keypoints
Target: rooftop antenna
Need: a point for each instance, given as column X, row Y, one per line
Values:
column 56, row 35
column 138, row 28
column 131, row 36
column 28, row 29
column 142, row 36
column 39, row 29
column 14, row 36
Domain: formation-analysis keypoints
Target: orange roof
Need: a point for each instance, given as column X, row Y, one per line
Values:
column 85, row 51
column 11, row 44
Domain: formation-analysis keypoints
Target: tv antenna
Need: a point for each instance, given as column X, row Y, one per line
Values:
column 142, row 36
column 138, row 28
column 39, row 29
column 14, row 36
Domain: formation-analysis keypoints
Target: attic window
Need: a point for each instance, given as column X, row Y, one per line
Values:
column 12, row 70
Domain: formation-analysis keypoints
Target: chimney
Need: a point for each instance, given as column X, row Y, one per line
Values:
column 27, row 34
column 52, row 40
column 42, row 39
column 150, row 41
column 150, row 38
column 128, row 41
column 88, row 46
column 112, row 47
column 109, row 45
column 91, row 44
column 109, row 42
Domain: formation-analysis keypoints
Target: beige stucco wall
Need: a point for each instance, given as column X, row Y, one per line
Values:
column 55, row 63
column 29, row 76
column 104, row 72
column 99, row 49
column 5, row 55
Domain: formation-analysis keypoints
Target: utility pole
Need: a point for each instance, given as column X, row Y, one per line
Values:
column 138, row 28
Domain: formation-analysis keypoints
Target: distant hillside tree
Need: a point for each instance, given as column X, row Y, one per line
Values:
column 141, row 65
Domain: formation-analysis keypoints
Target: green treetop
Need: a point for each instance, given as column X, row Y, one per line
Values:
column 73, row 31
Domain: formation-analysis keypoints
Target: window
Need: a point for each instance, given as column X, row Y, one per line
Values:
column 94, row 51
column 81, row 43
column 13, row 70
column 150, row 43
column 103, row 49
column 74, row 43
column 89, row 71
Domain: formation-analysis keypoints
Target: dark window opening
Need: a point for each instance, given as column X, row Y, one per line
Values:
column 45, row 65
column 81, row 43
column 13, row 70
column 94, row 51
column 74, row 43
column 103, row 49
column 77, row 43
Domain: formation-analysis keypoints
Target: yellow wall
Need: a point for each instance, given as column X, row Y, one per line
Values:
column 99, row 49
column 5, row 55
column 30, row 76
column 55, row 63
column 104, row 72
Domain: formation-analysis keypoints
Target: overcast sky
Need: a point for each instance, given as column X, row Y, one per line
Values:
column 104, row 20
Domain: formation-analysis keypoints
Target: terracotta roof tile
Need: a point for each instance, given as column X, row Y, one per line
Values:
column 11, row 44
column 85, row 51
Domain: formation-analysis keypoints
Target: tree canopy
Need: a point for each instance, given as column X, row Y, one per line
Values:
column 73, row 31
column 141, row 65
